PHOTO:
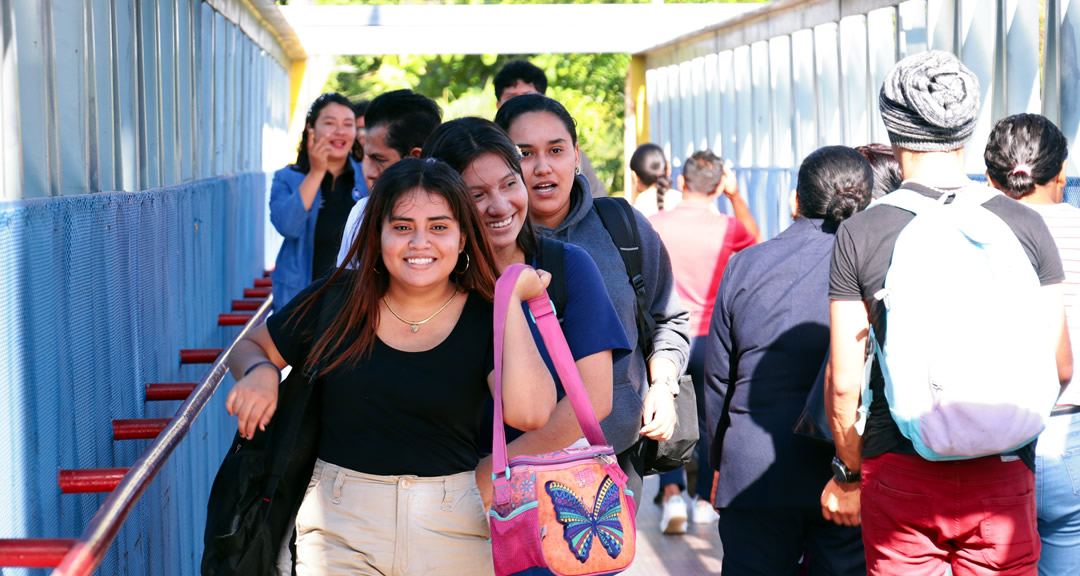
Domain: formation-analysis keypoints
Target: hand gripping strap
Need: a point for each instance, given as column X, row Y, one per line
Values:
column 544, row 316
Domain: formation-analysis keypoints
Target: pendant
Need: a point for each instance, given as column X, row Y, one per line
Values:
column 414, row 327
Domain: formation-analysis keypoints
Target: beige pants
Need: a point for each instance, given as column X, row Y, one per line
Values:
column 355, row 523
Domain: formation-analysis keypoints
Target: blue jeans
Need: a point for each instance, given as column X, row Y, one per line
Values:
column 696, row 370
column 1057, row 490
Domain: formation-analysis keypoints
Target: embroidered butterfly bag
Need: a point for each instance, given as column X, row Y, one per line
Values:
column 567, row 511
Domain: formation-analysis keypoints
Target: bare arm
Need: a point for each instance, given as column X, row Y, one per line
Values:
column 313, row 181
column 1053, row 297
column 528, row 391
column 562, row 429
column 730, row 186
column 849, row 329
column 254, row 397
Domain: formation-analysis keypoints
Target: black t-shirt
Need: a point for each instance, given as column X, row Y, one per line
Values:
column 395, row 412
column 335, row 202
column 861, row 256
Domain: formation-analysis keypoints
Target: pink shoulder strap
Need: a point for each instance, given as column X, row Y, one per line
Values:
column 543, row 313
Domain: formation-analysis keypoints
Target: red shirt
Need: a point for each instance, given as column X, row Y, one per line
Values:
column 699, row 241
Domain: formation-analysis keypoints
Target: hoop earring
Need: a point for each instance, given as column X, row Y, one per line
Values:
column 375, row 268
column 467, row 262
column 577, row 169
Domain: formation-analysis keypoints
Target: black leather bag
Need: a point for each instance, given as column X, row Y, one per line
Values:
column 813, row 422
column 262, row 481
column 260, row 485
column 677, row 452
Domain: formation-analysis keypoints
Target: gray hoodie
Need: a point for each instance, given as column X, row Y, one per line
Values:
column 584, row 228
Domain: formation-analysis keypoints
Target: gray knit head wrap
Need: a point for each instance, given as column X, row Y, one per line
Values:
column 930, row 102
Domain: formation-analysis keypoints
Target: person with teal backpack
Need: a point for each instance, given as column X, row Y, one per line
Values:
column 955, row 292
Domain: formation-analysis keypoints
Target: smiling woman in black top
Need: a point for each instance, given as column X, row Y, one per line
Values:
column 405, row 367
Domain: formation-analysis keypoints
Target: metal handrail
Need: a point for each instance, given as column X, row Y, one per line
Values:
column 89, row 550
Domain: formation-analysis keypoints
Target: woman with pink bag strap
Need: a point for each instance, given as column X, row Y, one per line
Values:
column 490, row 165
column 403, row 373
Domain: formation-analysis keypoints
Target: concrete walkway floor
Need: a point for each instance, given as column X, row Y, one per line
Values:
column 698, row 552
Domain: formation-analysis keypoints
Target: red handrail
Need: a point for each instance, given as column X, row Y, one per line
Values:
column 34, row 552
column 169, row 391
column 88, row 552
column 200, row 355
column 232, row 319
column 138, row 428
column 89, row 480
column 245, row 305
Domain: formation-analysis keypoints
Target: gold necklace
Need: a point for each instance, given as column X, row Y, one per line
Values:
column 414, row 326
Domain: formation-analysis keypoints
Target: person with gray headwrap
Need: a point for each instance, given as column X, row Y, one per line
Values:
column 978, row 514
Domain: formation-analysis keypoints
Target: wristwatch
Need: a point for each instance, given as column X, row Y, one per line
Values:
column 671, row 383
column 841, row 473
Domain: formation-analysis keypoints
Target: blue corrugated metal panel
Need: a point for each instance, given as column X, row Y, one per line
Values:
column 127, row 96
column 185, row 54
column 149, row 95
column 99, row 294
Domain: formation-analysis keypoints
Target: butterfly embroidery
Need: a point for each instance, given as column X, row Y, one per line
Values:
column 580, row 525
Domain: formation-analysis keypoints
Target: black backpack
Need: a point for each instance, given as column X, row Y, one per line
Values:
column 261, row 482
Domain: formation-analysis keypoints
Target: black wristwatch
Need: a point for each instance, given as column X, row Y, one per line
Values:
column 841, row 473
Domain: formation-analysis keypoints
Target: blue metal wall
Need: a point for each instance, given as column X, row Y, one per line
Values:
column 132, row 210
column 768, row 90
column 98, row 295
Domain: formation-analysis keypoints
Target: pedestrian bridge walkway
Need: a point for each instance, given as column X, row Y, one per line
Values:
column 696, row 553
column 138, row 135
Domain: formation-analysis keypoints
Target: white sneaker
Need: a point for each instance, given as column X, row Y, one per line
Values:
column 673, row 519
column 703, row 512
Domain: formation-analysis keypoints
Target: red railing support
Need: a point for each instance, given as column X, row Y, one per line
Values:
column 90, row 480
column 34, row 552
column 257, row 292
column 263, row 283
column 138, row 429
column 199, row 355
column 266, row 273
column 246, row 305
column 169, row 391
column 233, row 319
column 87, row 553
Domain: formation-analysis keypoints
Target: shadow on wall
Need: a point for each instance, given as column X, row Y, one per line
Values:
column 98, row 293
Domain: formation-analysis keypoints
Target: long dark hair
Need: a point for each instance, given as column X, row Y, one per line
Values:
column 302, row 162
column 887, row 173
column 1024, row 151
column 352, row 332
column 835, row 182
column 650, row 165
column 460, row 142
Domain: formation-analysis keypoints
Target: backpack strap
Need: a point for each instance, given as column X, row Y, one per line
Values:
column 912, row 201
column 552, row 257
column 621, row 224
column 909, row 201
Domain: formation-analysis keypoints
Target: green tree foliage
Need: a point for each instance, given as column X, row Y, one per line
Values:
column 591, row 86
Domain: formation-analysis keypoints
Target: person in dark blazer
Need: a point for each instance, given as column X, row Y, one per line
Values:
column 768, row 338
